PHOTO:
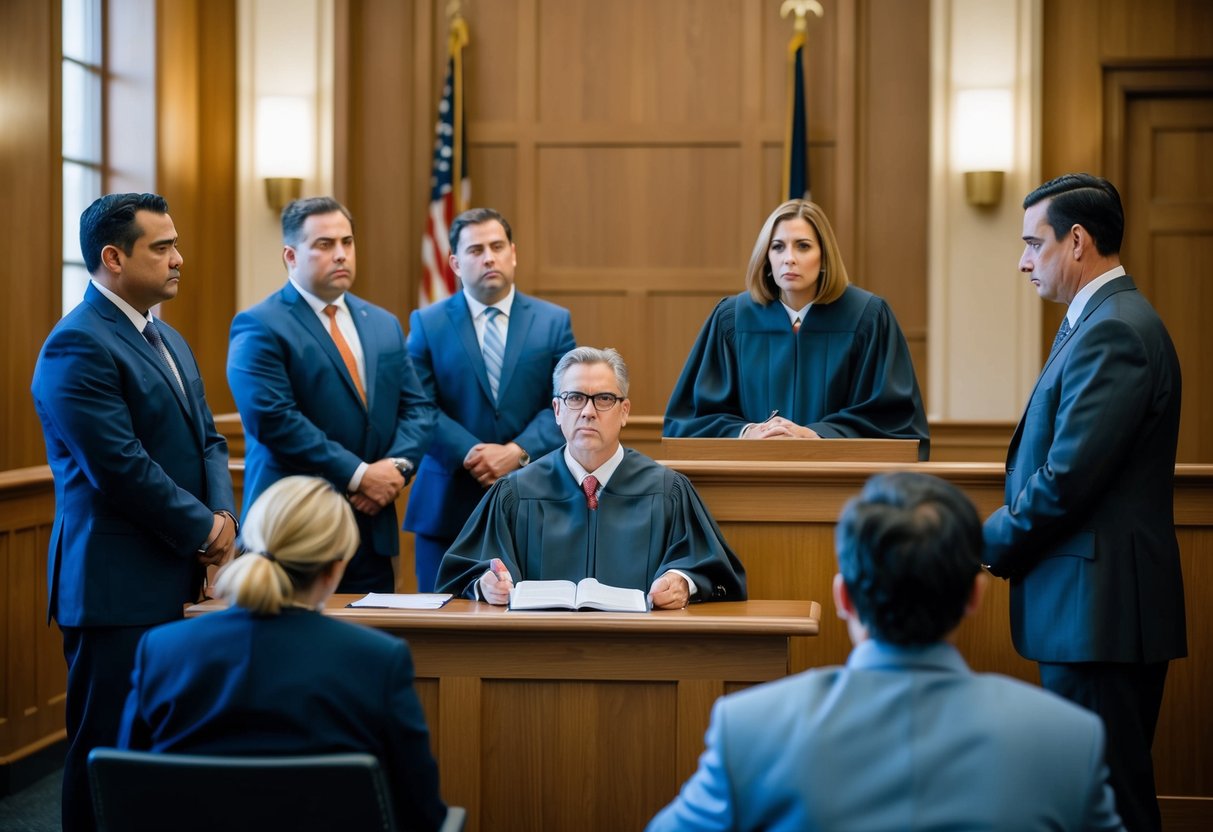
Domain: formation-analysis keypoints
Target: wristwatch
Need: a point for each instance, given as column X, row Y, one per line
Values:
column 524, row 460
column 404, row 466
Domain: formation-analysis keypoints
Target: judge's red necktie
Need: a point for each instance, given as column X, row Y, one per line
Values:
column 590, row 486
column 343, row 347
column 796, row 325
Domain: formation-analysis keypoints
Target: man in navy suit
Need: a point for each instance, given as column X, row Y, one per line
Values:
column 143, row 497
column 904, row 736
column 485, row 356
column 1087, row 535
column 325, row 387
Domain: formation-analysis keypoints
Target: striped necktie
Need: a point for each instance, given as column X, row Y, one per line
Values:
column 494, row 348
column 152, row 334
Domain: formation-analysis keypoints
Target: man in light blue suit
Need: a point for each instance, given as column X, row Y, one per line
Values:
column 325, row 387
column 485, row 356
column 143, row 497
column 904, row 736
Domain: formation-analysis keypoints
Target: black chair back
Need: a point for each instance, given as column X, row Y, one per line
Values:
column 135, row 791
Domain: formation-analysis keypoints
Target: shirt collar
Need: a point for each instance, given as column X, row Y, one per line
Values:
column 137, row 318
column 1087, row 292
column 476, row 308
column 875, row 655
column 316, row 303
column 604, row 471
column 793, row 314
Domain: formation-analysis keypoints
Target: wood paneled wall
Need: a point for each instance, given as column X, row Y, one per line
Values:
column 29, row 213
column 636, row 149
column 1129, row 96
column 196, row 173
column 33, row 675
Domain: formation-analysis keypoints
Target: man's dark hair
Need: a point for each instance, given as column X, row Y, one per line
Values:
column 909, row 547
column 1082, row 199
column 296, row 213
column 110, row 221
column 475, row 216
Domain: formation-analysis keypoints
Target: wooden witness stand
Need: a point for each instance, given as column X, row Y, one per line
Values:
column 558, row 720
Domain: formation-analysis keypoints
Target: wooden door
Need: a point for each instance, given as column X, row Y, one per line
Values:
column 1160, row 139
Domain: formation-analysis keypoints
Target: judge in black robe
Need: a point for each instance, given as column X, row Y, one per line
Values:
column 845, row 372
column 646, row 522
column 649, row 520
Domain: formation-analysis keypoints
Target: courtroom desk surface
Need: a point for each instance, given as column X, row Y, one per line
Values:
column 782, row 618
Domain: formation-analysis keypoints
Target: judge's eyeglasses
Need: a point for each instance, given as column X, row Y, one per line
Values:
column 576, row 400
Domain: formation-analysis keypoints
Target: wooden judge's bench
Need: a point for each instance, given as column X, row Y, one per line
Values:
column 778, row 515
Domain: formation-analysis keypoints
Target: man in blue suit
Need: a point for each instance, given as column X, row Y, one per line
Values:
column 1087, row 535
column 485, row 356
column 325, row 387
column 904, row 736
column 143, row 497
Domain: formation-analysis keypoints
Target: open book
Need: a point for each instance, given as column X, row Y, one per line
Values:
column 588, row 594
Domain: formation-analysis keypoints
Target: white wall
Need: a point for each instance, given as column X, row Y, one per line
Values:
column 285, row 49
column 984, row 316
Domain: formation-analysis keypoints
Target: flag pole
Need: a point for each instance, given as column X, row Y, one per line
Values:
column 795, row 153
column 450, row 188
column 458, row 39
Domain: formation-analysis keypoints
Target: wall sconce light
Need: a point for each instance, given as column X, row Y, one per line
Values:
column 284, row 147
column 982, row 143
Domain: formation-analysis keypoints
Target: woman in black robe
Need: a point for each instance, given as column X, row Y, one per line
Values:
column 829, row 357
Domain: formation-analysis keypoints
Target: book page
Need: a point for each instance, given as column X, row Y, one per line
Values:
column 593, row 595
column 543, row 595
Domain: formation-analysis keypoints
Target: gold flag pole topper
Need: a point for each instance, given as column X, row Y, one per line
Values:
column 801, row 9
column 458, row 39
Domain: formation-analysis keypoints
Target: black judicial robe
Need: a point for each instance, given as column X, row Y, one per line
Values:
column 846, row 373
column 649, row 520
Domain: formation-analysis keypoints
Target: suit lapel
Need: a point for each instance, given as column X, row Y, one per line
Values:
column 126, row 332
column 306, row 318
column 521, row 318
column 193, row 409
column 1119, row 284
column 461, row 320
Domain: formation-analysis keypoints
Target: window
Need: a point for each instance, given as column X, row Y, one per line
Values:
column 84, row 169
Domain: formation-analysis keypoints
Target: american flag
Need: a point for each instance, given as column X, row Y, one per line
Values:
column 438, row 279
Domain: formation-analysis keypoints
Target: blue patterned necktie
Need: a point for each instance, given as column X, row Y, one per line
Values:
column 1062, row 332
column 152, row 334
column 494, row 348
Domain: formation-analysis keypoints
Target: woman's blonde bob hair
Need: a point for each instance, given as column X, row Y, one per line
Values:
column 833, row 280
column 297, row 527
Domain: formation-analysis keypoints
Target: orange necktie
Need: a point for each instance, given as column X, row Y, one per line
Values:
column 343, row 347
column 796, row 325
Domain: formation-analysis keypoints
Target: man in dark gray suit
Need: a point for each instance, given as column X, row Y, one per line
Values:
column 1087, row 536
